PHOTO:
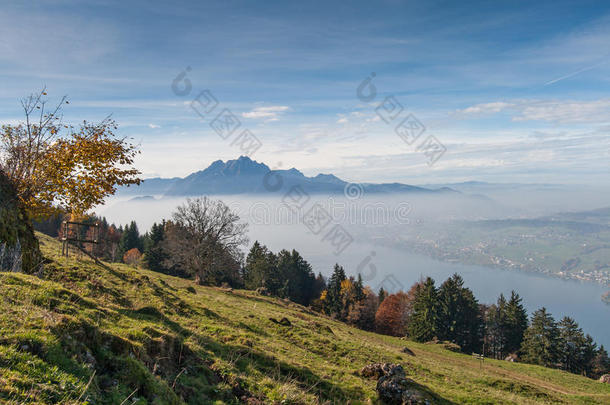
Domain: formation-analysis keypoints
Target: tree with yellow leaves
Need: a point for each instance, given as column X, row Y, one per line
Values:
column 52, row 164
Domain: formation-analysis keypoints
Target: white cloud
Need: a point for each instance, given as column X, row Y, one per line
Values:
column 268, row 114
column 154, row 126
column 342, row 120
column 486, row 108
column 560, row 111
column 566, row 111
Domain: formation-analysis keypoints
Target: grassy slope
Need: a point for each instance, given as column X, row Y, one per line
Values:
column 164, row 340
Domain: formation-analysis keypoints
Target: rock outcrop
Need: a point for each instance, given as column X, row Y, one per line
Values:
column 19, row 250
column 393, row 387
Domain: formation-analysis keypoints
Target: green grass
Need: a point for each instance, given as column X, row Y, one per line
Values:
column 88, row 333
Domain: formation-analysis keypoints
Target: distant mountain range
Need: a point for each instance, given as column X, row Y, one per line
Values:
column 246, row 176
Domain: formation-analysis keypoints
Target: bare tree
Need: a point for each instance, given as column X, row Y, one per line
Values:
column 204, row 239
column 22, row 146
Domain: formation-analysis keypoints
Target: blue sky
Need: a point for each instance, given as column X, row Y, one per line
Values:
column 515, row 91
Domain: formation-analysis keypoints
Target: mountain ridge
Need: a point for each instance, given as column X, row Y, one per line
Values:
column 247, row 176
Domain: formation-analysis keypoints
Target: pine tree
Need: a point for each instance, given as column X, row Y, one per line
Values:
column 359, row 288
column 130, row 239
column 423, row 323
column 381, row 295
column 516, row 323
column 600, row 364
column 260, row 269
column 297, row 276
column 541, row 340
column 334, row 304
column 459, row 319
column 572, row 346
column 154, row 255
column 496, row 326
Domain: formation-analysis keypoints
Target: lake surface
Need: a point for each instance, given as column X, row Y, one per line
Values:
column 395, row 269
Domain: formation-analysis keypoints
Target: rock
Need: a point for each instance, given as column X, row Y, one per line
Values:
column 262, row 291
column 375, row 370
column 452, row 347
column 605, row 378
column 408, row 351
column 19, row 250
column 512, row 357
column 393, row 387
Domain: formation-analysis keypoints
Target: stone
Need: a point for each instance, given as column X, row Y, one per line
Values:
column 408, row 351
column 393, row 387
column 19, row 249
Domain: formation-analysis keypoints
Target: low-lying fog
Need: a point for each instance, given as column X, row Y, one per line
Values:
column 379, row 209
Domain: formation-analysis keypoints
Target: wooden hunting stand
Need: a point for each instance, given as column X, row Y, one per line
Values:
column 66, row 238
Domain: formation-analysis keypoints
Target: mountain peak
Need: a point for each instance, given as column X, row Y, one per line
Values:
column 244, row 175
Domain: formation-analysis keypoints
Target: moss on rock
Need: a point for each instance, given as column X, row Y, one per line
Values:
column 19, row 249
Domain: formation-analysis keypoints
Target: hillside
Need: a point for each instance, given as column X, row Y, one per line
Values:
column 90, row 333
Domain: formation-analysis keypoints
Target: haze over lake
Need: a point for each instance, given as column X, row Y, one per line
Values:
column 276, row 226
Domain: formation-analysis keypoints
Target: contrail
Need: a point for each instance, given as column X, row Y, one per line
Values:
column 575, row 73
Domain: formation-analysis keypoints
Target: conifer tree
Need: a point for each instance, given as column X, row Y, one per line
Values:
column 541, row 340
column 130, row 239
column 459, row 320
column 600, row 364
column 381, row 295
column 260, row 269
column 423, row 323
column 496, row 326
column 154, row 256
column 334, row 303
column 516, row 323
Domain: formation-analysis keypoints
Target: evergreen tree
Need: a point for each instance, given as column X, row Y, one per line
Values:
column 381, row 295
column 459, row 320
column 541, row 341
column 423, row 323
column 359, row 289
column 572, row 346
column 260, row 270
column 496, row 326
column 516, row 323
column 130, row 239
column 600, row 364
column 154, row 255
column 298, row 276
column 319, row 285
column 334, row 304
column 589, row 353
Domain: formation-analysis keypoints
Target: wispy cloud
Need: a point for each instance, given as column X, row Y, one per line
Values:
column 559, row 111
column 487, row 108
column 268, row 114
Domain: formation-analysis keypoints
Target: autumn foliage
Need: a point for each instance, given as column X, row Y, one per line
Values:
column 53, row 164
column 392, row 314
column 132, row 257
